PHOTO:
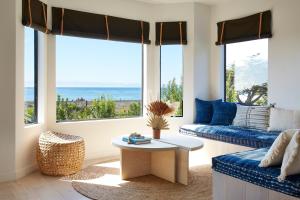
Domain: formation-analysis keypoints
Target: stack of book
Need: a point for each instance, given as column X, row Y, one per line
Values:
column 136, row 139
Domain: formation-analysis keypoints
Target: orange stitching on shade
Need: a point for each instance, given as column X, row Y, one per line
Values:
column 180, row 30
column 29, row 12
column 62, row 21
column 161, row 31
column 142, row 28
column 222, row 33
column 45, row 18
column 260, row 23
column 107, row 28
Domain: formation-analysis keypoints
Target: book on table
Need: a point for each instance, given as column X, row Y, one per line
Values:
column 136, row 140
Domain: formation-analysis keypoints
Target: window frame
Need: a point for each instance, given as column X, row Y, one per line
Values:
column 225, row 72
column 36, row 74
column 116, row 118
column 160, row 58
column 36, row 77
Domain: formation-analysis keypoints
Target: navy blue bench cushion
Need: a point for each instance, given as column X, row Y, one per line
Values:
column 244, row 166
column 232, row 134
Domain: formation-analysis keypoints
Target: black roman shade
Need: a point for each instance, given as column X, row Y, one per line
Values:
column 89, row 25
column 170, row 33
column 34, row 15
column 253, row 27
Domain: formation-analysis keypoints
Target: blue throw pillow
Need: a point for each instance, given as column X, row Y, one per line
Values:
column 204, row 111
column 224, row 113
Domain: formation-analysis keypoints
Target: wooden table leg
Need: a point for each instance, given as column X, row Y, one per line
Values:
column 163, row 165
column 135, row 163
column 182, row 166
column 140, row 163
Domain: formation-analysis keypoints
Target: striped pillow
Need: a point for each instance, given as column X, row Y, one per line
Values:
column 255, row 117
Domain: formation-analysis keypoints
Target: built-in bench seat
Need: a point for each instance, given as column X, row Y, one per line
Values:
column 244, row 166
column 231, row 134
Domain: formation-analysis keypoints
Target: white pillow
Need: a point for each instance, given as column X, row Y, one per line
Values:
column 282, row 119
column 276, row 152
column 291, row 160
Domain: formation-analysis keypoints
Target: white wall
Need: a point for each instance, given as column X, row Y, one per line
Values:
column 202, row 38
column 7, row 88
column 284, row 48
column 26, row 136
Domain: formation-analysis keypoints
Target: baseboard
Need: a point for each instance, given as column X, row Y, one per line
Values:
column 100, row 160
column 25, row 171
column 8, row 176
column 19, row 173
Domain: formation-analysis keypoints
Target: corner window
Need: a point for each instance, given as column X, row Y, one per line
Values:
column 30, row 76
column 171, row 72
column 98, row 79
column 246, row 72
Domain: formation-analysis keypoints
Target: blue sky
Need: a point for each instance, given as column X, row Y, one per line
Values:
column 82, row 62
column 171, row 63
column 29, row 57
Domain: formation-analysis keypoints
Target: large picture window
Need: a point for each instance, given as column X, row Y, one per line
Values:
column 30, row 76
column 171, row 67
column 246, row 69
column 98, row 79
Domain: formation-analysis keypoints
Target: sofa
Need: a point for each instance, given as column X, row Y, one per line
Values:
column 244, row 167
column 231, row 134
column 235, row 153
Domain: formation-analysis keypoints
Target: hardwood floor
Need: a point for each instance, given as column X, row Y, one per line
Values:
column 39, row 187
column 36, row 186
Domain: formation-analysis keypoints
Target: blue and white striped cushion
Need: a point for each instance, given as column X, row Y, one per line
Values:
column 244, row 166
column 232, row 134
column 254, row 117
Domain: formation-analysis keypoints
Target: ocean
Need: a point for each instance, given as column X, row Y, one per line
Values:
column 91, row 93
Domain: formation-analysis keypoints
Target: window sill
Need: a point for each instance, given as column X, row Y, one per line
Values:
column 35, row 125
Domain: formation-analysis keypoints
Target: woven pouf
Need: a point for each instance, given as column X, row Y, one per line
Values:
column 60, row 154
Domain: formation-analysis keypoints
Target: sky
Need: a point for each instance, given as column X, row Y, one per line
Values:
column 171, row 63
column 249, row 70
column 238, row 52
column 29, row 57
column 82, row 62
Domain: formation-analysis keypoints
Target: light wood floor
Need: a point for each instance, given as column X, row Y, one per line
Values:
column 36, row 186
column 39, row 187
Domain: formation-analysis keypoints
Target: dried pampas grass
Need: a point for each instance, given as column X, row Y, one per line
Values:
column 156, row 112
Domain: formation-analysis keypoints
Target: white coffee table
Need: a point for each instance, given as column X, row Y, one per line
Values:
column 156, row 158
column 184, row 144
column 167, row 158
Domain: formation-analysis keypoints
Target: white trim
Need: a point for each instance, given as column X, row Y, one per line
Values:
column 25, row 171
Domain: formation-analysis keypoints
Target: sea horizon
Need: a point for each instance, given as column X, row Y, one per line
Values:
column 91, row 93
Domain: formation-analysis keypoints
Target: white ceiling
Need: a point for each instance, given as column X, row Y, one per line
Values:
column 208, row 2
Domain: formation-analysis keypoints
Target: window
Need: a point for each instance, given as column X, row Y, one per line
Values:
column 98, row 79
column 30, row 76
column 246, row 69
column 171, row 69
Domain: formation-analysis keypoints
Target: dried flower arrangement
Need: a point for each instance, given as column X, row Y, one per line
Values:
column 157, row 111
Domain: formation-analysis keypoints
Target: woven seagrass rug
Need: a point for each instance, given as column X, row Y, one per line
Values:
column 103, row 182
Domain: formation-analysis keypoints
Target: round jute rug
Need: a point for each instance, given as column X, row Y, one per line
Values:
column 103, row 182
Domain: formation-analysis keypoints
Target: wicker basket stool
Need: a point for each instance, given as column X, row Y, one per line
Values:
column 60, row 154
